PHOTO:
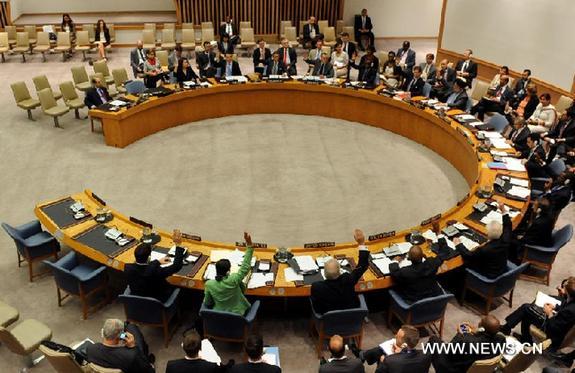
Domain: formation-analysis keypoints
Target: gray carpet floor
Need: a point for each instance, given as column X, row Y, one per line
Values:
column 355, row 183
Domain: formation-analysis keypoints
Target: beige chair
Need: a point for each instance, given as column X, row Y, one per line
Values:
column 187, row 26
column 80, row 78
column 22, row 45
column 4, row 45
column 64, row 44
column 91, row 31
column 112, row 31
column 485, row 366
column 41, row 82
column 302, row 23
column 339, row 24
column 291, row 36
column 120, row 78
column 150, row 26
column 540, row 336
column 50, row 107
column 83, row 43
column 283, row 25
column 71, row 98
column 149, row 39
column 188, row 39
column 102, row 68
column 163, row 58
column 25, row 338
column 248, row 39
column 168, row 39
column 93, row 368
column 62, row 362
column 350, row 31
column 32, row 33
column 479, row 90
column 170, row 26
column 563, row 103
column 524, row 359
column 12, row 34
column 329, row 36
column 207, row 35
column 8, row 315
column 207, row 25
column 322, row 24
column 23, row 98
column 245, row 24
column 43, row 44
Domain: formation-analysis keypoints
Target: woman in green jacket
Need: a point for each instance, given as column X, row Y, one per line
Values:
column 226, row 292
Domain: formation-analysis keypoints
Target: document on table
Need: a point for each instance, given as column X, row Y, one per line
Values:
column 491, row 134
column 118, row 103
column 492, row 216
column 210, row 273
column 542, row 298
column 498, row 153
column 306, row 263
column 461, row 226
column 208, row 353
column 512, row 348
column 430, row 235
column 158, row 255
column 291, row 275
column 387, row 346
column 466, row 117
column 468, row 243
column 513, row 164
column 499, row 143
column 383, row 264
column 264, row 266
column 259, row 279
column 450, row 243
column 519, row 182
column 321, row 260
column 238, row 78
column 519, row 191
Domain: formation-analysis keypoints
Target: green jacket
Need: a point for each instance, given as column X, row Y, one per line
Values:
column 227, row 294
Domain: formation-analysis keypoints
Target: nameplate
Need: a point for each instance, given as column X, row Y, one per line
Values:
column 317, row 245
column 100, row 200
column 275, row 80
column 312, row 82
column 191, row 237
column 141, row 222
column 462, row 132
column 431, row 219
column 463, row 199
column 381, row 236
column 255, row 245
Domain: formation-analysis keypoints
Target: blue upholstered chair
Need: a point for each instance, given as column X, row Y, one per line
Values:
column 150, row 311
column 135, row 87
column 556, row 167
column 80, row 279
column 423, row 313
column 32, row 244
column 489, row 289
column 498, row 122
column 228, row 326
column 542, row 257
column 426, row 89
column 346, row 323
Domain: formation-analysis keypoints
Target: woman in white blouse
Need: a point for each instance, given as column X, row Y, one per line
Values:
column 340, row 61
column 544, row 115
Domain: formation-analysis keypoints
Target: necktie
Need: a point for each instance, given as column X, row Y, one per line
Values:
column 321, row 69
column 410, row 85
column 464, row 67
column 229, row 69
column 285, row 56
column 426, row 70
column 262, row 55
column 362, row 22
column 317, row 54
column 275, row 69
column 345, row 47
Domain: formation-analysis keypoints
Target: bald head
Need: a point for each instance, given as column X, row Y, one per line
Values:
column 331, row 269
column 139, row 44
column 336, row 346
column 494, row 230
column 415, row 254
column 490, row 323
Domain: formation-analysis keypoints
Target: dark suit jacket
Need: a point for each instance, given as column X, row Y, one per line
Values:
column 520, row 141
column 135, row 60
column 93, row 98
column 417, row 281
column 203, row 59
column 557, row 326
column 235, row 68
column 416, row 88
column 564, row 130
column 339, row 294
column 539, row 232
column 490, row 260
column 325, row 69
column 460, row 102
column 226, row 50
column 410, row 60
column 530, row 107
column 192, row 366
column 255, row 368
column 106, row 35
column 459, row 363
column 307, row 30
column 521, row 87
column 270, row 65
column 129, row 360
column 471, row 69
column 351, row 49
column 149, row 280
column 257, row 58
column 506, row 95
column 292, row 59
column 223, row 29
column 559, row 196
column 182, row 76
column 348, row 365
column 357, row 23
column 405, row 362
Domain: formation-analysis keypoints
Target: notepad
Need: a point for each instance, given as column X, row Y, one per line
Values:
column 259, row 279
column 208, row 353
column 519, row 191
column 520, row 182
column 306, row 263
column 430, row 235
column 383, row 264
column 499, row 143
column 468, row 243
column 387, row 346
column 291, row 275
column 210, row 273
column 542, row 298
column 264, row 266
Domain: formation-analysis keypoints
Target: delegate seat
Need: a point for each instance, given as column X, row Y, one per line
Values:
column 91, row 31
column 32, row 33
column 23, row 98
column 168, row 39
column 41, row 82
column 485, row 366
column 22, row 45
column 62, row 362
column 63, row 44
column 50, row 107
column 12, row 34
column 8, row 315
column 102, row 68
column 248, row 40
column 283, row 25
column 329, row 37
column 120, row 78
column 228, row 326
column 71, row 98
column 188, row 39
column 163, row 58
column 322, row 24
column 25, row 338
column 43, row 44
column 149, row 39
column 4, row 45
column 291, row 36
column 80, row 78
column 83, row 43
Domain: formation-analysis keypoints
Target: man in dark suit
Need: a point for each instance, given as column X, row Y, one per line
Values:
column 487, row 341
column 414, row 85
column 229, row 28
column 148, row 278
column 555, row 321
column 558, row 192
column 97, row 95
column 520, row 89
column 261, row 56
column 495, row 100
column 229, row 67
column 348, row 46
column 363, row 26
column 404, row 359
column 428, row 68
column 323, row 68
column 192, row 344
column 207, row 64
column 310, row 33
column 368, row 67
column 137, row 59
column 417, row 281
column 337, row 291
column 458, row 97
column 467, row 68
column 406, row 57
column 254, row 348
column 562, row 136
column 275, row 66
column 490, row 260
column 535, row 157
column 339, row 362
column 288, row 56
column 225, row 46
column 442, row 82
column 519, row 134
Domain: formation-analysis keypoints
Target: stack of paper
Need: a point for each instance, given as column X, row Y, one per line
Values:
column 208, row 353
column 513, row 164
column 238, row 78
column 264, row 266
column 498, row 153
column 499, row 143
column 466, row 117
column 259, row 279
column 491, row 134
column 492, row 216
column 519, row 191
column 543, row 298
column 210, row 273
column 321, row 260
column 461, row 226
column 519, row 182
column 399, row 248
column 468, row 243
column 387, row 346
column 512, row 348
column 306, row 263
column 291, row 275
column 383, row 264
column 378, row 256
column 430, row 235
column 158, row 255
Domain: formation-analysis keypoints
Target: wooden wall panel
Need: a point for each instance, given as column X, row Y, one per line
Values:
column 265, row 15
column 4, row 14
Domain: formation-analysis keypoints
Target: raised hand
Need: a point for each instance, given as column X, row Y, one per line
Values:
column 359, row 236
column 177, row 237
column 248, row 239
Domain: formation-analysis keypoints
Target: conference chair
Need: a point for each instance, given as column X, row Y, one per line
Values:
column 207, row 25
column 93, row 368
column 63, row 44
column 8, row 315
column 283, row 25
column 490, row 289
column 91, row 31
column 41, row 82
column 426, row 89
column 80, row 78
column 150, row 26
column 540, row 336
column 83, row 43
column 22, row 45
column 23, row 98
column 82, row 279
column 555, row 168
column 423, row 313
column 187, row 26
column 32, row 33
column 188, row 39
column 322, row 24
column 485, row 366
column 25, row 338
column 71, row 98
column 479, row 90
column 245, row 24
column 351, row 32
column 43, row 44
column 247, row 40
column 563, row 103
column 151, row 312
column 112, row 32
column 102, row 68
column 542, row 258
column 4, row 45
column 339, row 24
column 524, row 359
column 135, row 87
column 469, row 105
column 163, row 58
column 346, row 323
column 149, row 39
column 62, row 362
column 329, row 36
column 291, row 36
column 498, row 122
column 168, row 39
column 326, row 49
column 120, row 78
column 50, row 107
column 207, row 35
column 228, row 326
column 12, row 34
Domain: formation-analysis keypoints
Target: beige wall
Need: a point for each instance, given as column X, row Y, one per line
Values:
column 15, row 9
column 398, row 18
column 79, row 6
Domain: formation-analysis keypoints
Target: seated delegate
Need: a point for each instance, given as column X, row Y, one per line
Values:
column 323, row 68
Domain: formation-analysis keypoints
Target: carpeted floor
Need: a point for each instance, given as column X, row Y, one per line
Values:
column 39, row 162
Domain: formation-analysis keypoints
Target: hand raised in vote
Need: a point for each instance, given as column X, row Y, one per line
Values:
column 359, row 237
column 248, row 239
column 501, row 206
column 456, row 240
column 177, row 237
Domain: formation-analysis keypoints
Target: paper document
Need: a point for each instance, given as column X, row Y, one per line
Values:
column 513, row 164
column 271, row 355
column 237, row 78
column 461, row 226
column 291, row 275
column 383, row 265
column 498, row 153
column 259, row 279
column 264, row 266
column 468, row 243
column 210, row 273
column 512, row 345
column 492, row 216
column 208, row 353
column 499, row 143
column 466, row 117
column 518, row 191
column 387, row 346
column 491, row 134
column 520, row 182
column 158, row 255
column 543, row 298
column 321, row 260
column 118, row 103
column 306, row 263
column 378, row 256
column 270, row 359
column 430, row 235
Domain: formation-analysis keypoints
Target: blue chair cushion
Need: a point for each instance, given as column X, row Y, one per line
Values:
column 41, row 244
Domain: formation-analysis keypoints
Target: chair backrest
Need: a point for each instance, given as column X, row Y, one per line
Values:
column 563, row 103
column 208, row 25
column 162, row 57
column 141, row 309
column 329, row 34
column 82, row 38
column 326, row 49
column 562, row 236
column 302, row 23
column 41, row 82
column 46, row 97
column 479, row 89
column 247, row 35
column 149, row 36
column 207, row 34
column 8, row 339
column 4, row 40
column 344, row 322
column 525, row 358
column 504, row 283
column 20, row 91
column 485, row 366
column 31, row 30
column 322, row 24
column 42, row 39
column 65, row 279
column 101, row 77
column 188, row 36
column 339, row 24
column 283, row 25
column 290, row 33
column 62, row 362
column 351, row 32
column 187, row 26
column 64, row 39
column 569, row 338
column 101, row 67
column 168, row 35
column 13, row 232
column 169, row 26
column 468, row 105
column 93, row 368
column 245, row 24
column 22, row 40
column 557, row 167
column 135, row 87
column 68, row 91
column 11, row 31
column 112, row 30
column 79, row 74
column 120, row 76
column 150, row 26
column 91, row 29
column 498, row 122
column 223, row 324
column 429, row 309
column 426, row 89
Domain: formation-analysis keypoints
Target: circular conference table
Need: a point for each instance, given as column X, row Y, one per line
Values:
column 446, row 137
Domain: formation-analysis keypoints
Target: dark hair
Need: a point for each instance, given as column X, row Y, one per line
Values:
column 417, row 68
column 527, row 71
column 254, row 346
column 534, row 137
column 338, row 44
column 460, row 83
column 98, row 30
column 407, row 43
column 371, row 49
column 192, row 343
column 222, row 268
column 506, row 69
column 345, row 33
column 391, row 52
column 69, row 23
column 546, row 96
column 260, row 40
column 180, row 69
column 430, row 55
column 411, row 335
column 206, row 42
column 570, row 287
column 490, row 323
column 178, row 48
column 142, row 253
column 276, row 53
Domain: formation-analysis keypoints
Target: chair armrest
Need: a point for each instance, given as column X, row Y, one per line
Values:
column 362, row 303
column 542, row 248
column 168, row 303
column 400, row 302
column 480, row 277
column 92, row 275
column 315, row 314
column 40, row 242
column 251, row 315
column 544, row 179
column 68, row 262
column 29, row 229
